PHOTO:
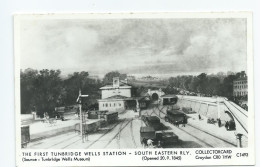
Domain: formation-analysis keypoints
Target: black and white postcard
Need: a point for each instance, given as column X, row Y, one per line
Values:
column 134, row 89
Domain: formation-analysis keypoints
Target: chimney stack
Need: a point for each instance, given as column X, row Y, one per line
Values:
column 116, row 82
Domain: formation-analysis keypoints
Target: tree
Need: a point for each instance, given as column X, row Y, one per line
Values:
column 213, row 86
column 227, row 86
column 219, row 84
column 187, row 82
column 44, row 90
column 230, row 73
column 170, row 90
column 202, row 83
column 220, row 74
column 27, row 89
column 108, row 78
column 40, row 91
column 194, row 84
column 48, row 88
column 81, row 81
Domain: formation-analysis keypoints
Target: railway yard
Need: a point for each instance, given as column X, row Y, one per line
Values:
column 125, row 134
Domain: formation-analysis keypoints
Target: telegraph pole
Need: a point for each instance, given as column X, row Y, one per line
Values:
column 79, row 100
column 80, row 114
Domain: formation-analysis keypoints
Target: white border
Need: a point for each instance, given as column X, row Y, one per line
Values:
column 247, row 15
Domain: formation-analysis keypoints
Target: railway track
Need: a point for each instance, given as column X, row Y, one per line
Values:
column 132, row 134
column 160, row 110
column 117, row 135
column 62, row 141
column 70, row 139
column 191, row 135
column 212, row 135
column 109, row 130
column 197, row 138
column 72, row 143
column 207, row 144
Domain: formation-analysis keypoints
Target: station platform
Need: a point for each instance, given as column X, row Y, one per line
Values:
column 215, row 130
column 40, row 130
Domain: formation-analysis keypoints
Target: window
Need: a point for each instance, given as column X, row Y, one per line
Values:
column 106, row 105
column 114, row 104
column 110, row 104
column 119, row 104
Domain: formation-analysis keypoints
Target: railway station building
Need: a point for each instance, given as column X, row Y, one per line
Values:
column 113, row 103
column 118, row 97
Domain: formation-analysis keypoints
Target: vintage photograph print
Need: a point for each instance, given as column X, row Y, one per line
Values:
column 134, row 81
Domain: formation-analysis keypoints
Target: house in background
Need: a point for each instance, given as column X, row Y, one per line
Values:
column 240, row 91
column 240, row 87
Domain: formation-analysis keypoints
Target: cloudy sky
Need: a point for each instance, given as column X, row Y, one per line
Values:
column 135, row 46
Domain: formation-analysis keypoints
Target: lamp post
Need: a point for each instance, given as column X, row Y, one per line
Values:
column 239, row 140
column 79, row 100
column 219, row 100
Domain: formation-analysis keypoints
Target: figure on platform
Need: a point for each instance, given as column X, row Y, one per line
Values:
column 144, row 142
column 150, row 143
column 199, row 117
column 219, row 122
column 177, row 123
column 159, row 145
column 227, row 125
column 185, row 121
